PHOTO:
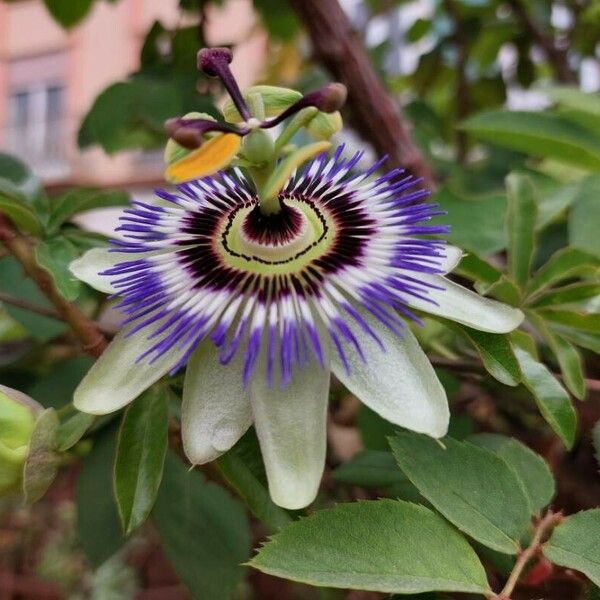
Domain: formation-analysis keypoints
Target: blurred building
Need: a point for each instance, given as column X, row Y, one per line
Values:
column 50, row 77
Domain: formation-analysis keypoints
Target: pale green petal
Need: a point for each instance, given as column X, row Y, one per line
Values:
column 291, row 428
column 398, row 383
column 216, row 406
column 452, row 258
column 459, row 304
column 94, row 261
column 116, row 379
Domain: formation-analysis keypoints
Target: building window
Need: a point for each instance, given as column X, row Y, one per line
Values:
column 36, row 128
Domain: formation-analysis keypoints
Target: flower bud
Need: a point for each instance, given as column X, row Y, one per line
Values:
column 323, row 125
column 17, row 417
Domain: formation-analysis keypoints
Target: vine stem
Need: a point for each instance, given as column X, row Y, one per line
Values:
column 86, row 329
column 543, row 527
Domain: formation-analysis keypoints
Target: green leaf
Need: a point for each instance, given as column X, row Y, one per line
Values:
column 278, row 18
column 72, row 430
column 554, row 202
column 141, row 450
column 41, row 464
column 55, row 255
column 14, row 205
column 552, row 399
column 531, row 469
column 78, row 200
column 574, row 544
column 370, row 469
column 473, row 221
column 391, row 546
column 203, row 531
column 568, row 357
column 564, row 264
column 97, row 518
column 477, row 269
column 540, row 134
column 591, row 341
column 130, row 115
column 20, row 175
column 496, row 354
column 585, row 216
column 468, row 485
column 253, row 491
column 68, row 12
column 520, row 220
column 576, row 99
column 589, row 322
column 504, row 290
column 569, row 294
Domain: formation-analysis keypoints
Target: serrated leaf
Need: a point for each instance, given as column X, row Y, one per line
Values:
column 574, row 544
column 391, row 546
column 72, row 430
column 68, row 12
column 496, row 354
column 540, row 134
column 98, row 526
column 141, row 449
column 203, row 531
column 41, row 464
column 585, row 216
column 564, row 264
column 531, row 469
column 552, row 399
column 79, row 200
column 55, row 255
column 468, row 485
column 569, row 360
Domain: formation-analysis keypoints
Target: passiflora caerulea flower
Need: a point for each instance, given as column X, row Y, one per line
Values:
column 265, row 281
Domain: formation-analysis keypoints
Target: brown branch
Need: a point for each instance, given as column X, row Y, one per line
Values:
column 375, row 116
column 92, row 339
column 543, row 527
column 556, row 56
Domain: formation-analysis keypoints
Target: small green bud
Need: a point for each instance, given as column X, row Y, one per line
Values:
column 17, row 418
column 258, row 147
column 323, row 125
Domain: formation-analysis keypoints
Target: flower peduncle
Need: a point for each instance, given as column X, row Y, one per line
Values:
column 215, row 63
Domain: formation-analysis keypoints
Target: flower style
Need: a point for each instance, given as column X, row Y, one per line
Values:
column 261, row 297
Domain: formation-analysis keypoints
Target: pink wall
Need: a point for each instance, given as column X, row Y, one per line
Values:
column 102, row 50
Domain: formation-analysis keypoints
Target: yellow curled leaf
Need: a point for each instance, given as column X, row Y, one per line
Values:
column 212, row 156
column 289, row 164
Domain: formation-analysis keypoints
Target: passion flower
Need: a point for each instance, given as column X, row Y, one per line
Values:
column 261, row 286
